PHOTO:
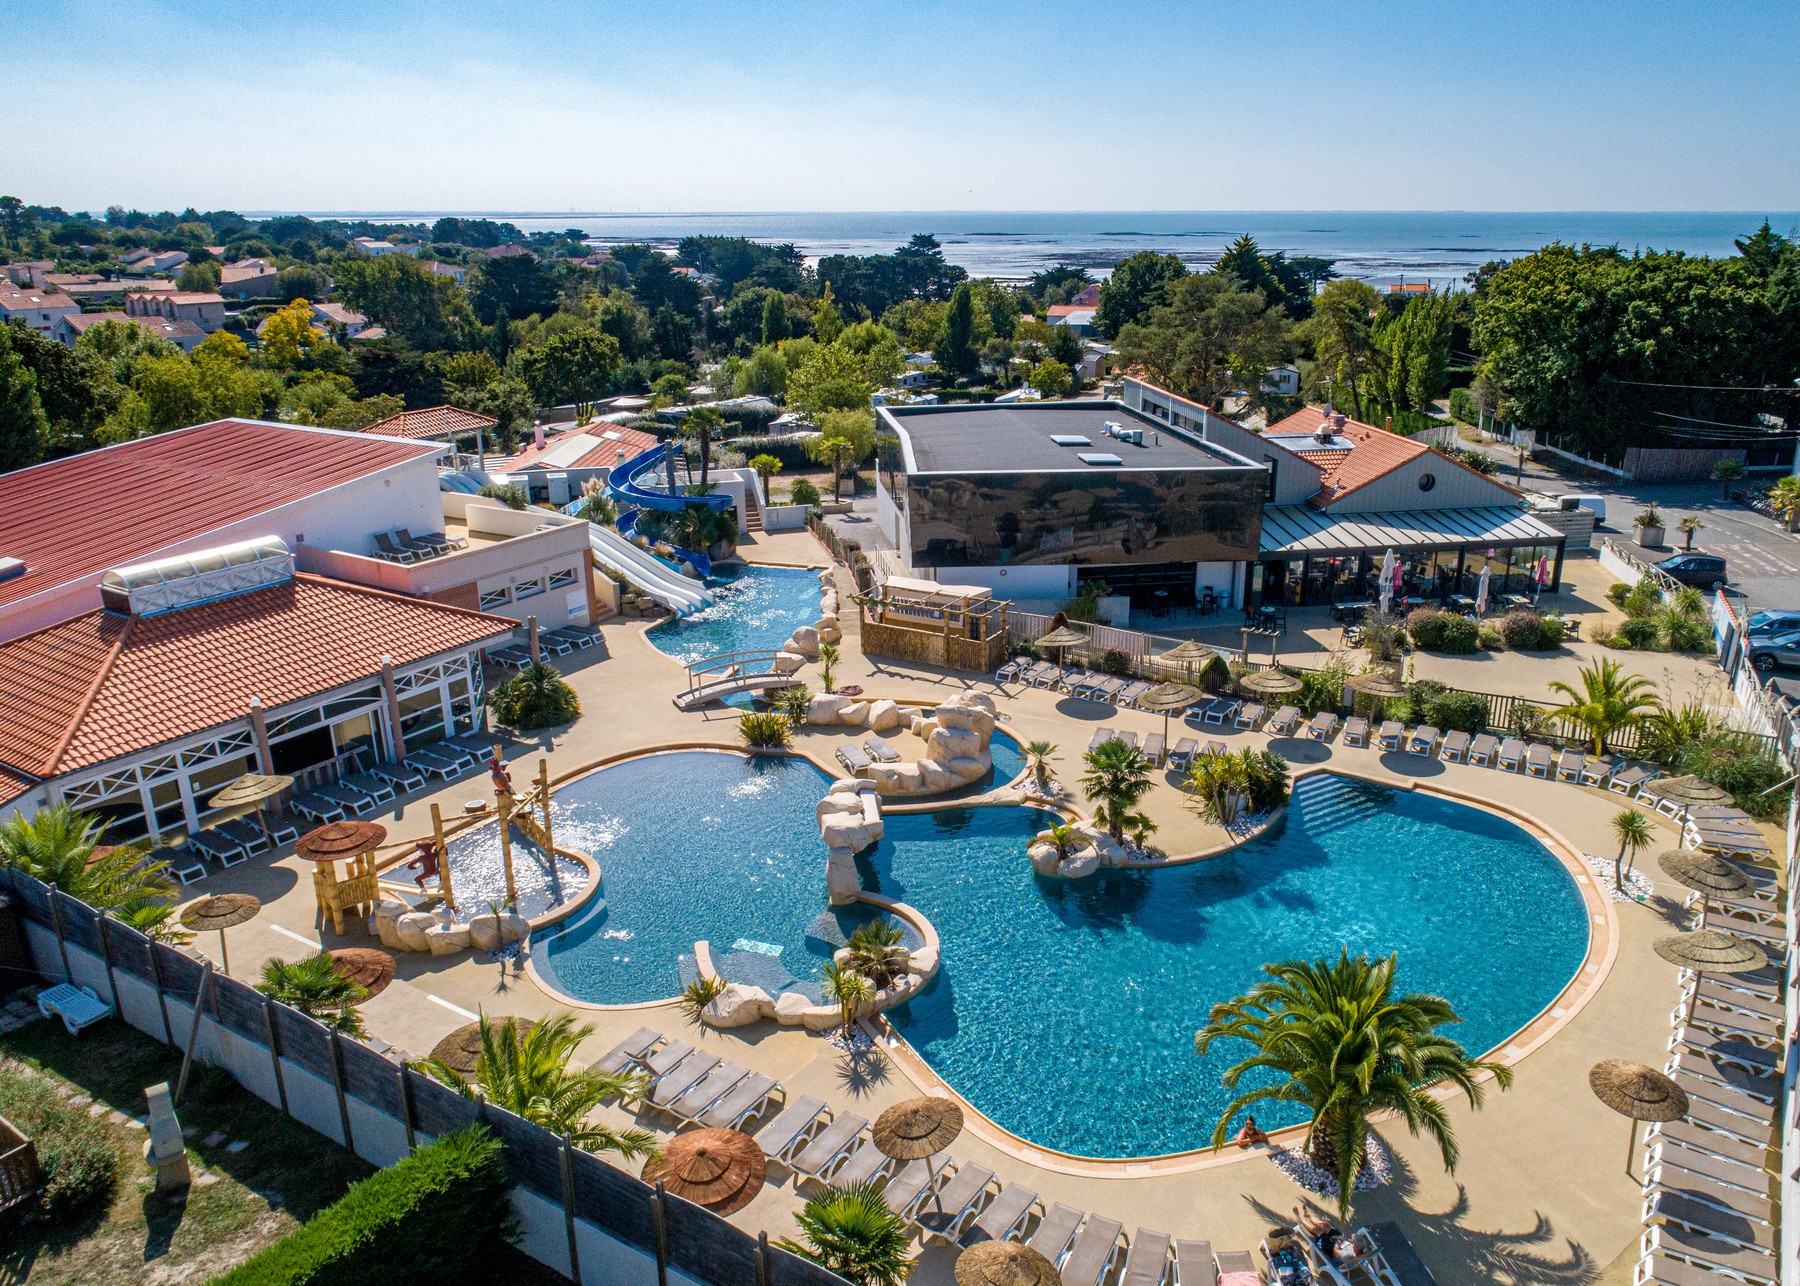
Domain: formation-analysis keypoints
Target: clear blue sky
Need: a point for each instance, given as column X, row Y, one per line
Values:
column 1040, row 105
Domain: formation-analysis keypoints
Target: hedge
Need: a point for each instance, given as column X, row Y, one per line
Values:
column 431, row 1220
column 76, row 1151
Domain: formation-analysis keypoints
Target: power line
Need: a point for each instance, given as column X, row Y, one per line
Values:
column 1789, row 389
column 1695, row 419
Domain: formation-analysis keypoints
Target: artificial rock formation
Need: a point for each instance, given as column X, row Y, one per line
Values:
column 956, row 740
column 439, row 932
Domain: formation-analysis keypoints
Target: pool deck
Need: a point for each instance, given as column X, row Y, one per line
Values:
column 1541, row 1195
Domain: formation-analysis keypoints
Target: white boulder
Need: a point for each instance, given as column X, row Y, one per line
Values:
column 737, row 1006
column 884, row 716
column 484, row 932
column 787, row 662
column 821, row 1017
column 805, row 641
column 924, row 961
column 854, row 714
column 826, row 708
column 789, row 1006
column 411, row 928
column 514, row 927
column 830, row 634
column 447, row 939
column 841, row 880
column 848, row 831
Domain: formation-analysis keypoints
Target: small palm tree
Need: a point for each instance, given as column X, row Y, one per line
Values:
column 849, row 989
column 1038, row 755
column 1064, row 839
column 878, row 953
column 1727, row 472
column 851, row 1232
column 1117, row 778
column 1785, row 496
column 1632, row 829
column 828, row 659
column 57, row 846
column 766, row 466
column 835, row 448
column 1609, row 701
column 1690, row 525
column 1339, row 1041
column 316, row 989
column 1218, row 783
column 530, row 1075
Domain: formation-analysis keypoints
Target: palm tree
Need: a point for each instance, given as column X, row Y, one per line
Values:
column 828, row 659
column 1785, row 496
column 1727, row 472
column 1117, row 777
column 1632, row 829
column 1218, row 783
column 1690, row 525
column 530, row 1076
column 878, row 953
column 1609, row 701
column 1038, row 755
column 703, row 420
column 835, row 448
column 316, row 989
column 58, row 845
column 1345, row 1046
column 851, row 1232
column 849, row 989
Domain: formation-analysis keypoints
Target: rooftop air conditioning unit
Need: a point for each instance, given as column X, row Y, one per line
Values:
column 1133, row 436
column 1114, row 429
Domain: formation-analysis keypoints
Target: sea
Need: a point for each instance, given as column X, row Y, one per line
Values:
column 1381, row 247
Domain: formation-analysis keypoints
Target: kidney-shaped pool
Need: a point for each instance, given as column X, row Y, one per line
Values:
column 1065, row 1011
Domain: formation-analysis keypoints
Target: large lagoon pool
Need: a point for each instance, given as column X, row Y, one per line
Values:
column 757, row 609
column 1065, row 1011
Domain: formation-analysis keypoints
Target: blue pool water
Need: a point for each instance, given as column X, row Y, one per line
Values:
column 478, row 873
column 1064, row 1010
column 757, row 609
column 1069, row 1017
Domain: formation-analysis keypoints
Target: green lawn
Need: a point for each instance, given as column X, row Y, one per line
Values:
column 260, row 1192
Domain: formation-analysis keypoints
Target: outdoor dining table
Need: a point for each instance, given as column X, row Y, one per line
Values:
column 1350, row 611
column 1462, row 602
column 1516, row 600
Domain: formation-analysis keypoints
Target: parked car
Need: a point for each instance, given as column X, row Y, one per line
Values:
column 1597, row 504
column 1776, row 652
column 1703, row 571
column 1765, row 624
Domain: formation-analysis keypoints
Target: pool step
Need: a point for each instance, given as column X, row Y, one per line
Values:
column 1327, row 804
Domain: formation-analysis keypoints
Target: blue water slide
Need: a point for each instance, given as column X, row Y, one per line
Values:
column 624, row 482
column 627, row 526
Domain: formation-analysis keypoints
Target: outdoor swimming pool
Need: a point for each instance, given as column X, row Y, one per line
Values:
column 757, row 609
column 1065, row 1011
column 478, row 873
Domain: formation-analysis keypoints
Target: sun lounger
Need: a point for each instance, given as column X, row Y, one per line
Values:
column 247, row 834
column 1456, row 746
column 78, row 1007
column 1388, row 735
column 1129, row 696
column 791, row 1129
column 743, row 1101
column 1707, row 1165
column 218, row 847
column 390, row 550
column 1215, row 748
column 1724, row 1076
column 630, row 1051
column 1042, row 674
column 903, row 1191
column 865, row 1165
column 1423, row 741
column 1512, row 754
column 854, row 759
column 667, row 1088
column 1597, row 771
column 1759, row 1110
column 319, row 808
column 1282, row 724
column 1670, row 1183
column 549, row 643
column 1152, row 748
column 473, row 747
column 1128, row 738
column 436, row 763
column 1235, row 1261
column 1224, row 710
column 1626, row 780
column 442, row 542
column 1102, row 687
column 1537, row 761
column 1734, row 844
column 1094, row 1253
column 1483, row 749
column 510, row 657
column 1183, row 753
column 1147, row 1262
column 1322, row 725
column 576, row 638
column 1003, row 1218
column 1194, row 1264
column 355, row 800
column 828, row 1145
column 399, row 776
column 1356, row 733
column 946, row 1208
column 1730, row 1022
column 1569, row 765
column 1726, row 1050
column 692, row 1105
column 1740, row 1225
column 1716, row 991
column 1052, row 1235
column 1714, row 1253
column 1711, row 1142
column 881, row 750
column 1250, row 714
column 183, row 861
column 1101, row 737
column 378, row 791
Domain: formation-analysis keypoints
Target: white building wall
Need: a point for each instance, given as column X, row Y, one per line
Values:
column 887, row 515
column 1012, row 582
column 1223, row 579
column 1455, row 488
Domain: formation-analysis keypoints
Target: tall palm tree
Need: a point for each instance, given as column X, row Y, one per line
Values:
column 530, row 1076
column 1038, row 755
column 1632, row 829
column 849, row 989
column 852, row 1232
column 828, row 659
column 1689, row 525
column 57, row 846
column 1345, row 1046
column 316, row 989
column 703, row 420
column 1117, row 777
column 1608, row 701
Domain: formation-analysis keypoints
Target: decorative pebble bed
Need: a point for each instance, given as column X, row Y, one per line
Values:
column 1637, row 884
column 1377, row 1169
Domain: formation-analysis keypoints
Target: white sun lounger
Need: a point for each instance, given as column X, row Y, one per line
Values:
column 1094, row 1253
column 1055, row 1230
column 1677, row 1256
column 1322, row 725
column 1100, row 737
column 1220, row 711
column 854, row 759
column 78, row 1007
column 1153, row 747
column 1183, row 752
column 1388, row 737
column 1512, row 754
column 1537, row 761
column 865, row 1165
column 1003, row 1218
column 633, row 1049
column 881, row 750
column 1569, row 765
column 791, row 1129
column 1626, row 780
column 1129, row 738
column 828, row 1145
column 1595, row 772
column 1251, row 714
column 1356, row 733
column 1147, row 1262
column 1455, row 747
column 1423, row 741
column 1483, row 749
column 746, row 1099
column 903, row 1191
column 708, row 1090
column 669, row 1087
column 946, row 1208
column 1282, row 724
column 1215, row 748
column 1194, row 1264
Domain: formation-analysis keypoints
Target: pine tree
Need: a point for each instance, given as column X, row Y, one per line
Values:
column 22, row 423
column 775, row 324
column 826, row 322
column 955, row 347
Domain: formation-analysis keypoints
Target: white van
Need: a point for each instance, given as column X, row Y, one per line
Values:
column 1595, row 503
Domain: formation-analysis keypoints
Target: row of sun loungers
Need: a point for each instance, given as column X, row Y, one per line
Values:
column 960, row 1202
column 401, row 546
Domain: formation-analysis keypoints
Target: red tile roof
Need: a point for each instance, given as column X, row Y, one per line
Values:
column 73, row 518
column 1373, row 454
column 438, row 423
column 611, row 444
column 98, row 686
column 13, row 784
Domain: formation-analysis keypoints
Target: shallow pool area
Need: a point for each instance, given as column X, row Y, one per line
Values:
column 758, row 608
column 478, row 873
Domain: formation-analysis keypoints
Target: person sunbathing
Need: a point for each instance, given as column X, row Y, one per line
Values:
column 1332, row 1244
column 1251, row 1134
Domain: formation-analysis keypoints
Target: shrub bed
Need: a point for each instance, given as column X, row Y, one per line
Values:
column 75, row 1150
column 1432, row 630
column 434, row 1218
column 767, row 731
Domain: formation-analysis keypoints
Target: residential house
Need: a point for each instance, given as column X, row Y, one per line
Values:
column 1409, row 288
column 434, row 424
column 30, row 272
column 38, row 308
column 1087, row 297
column 1077, row 317
column 509, row 250
column 138, row 259
column 373, row 246
column 339, row 321
column 249, row 279
column 204, row 308
column 167, row 260
column 177, row 331
column 1282, row 381
column 456, row 272
column 556, row 470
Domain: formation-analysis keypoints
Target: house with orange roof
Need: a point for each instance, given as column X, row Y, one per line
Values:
column 36, row 306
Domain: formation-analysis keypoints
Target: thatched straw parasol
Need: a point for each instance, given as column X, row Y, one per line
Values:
column 1062, row 639
column 251, row 788
column 1689, row 792
column 368, row 968
column 1709, row 951
column 1004, row 1263
column 917, row 1128
column 1188, row 654
column 1272, row 683
column 336, row 840
column 722, row 1170
column 1706, row 873
column 1376, row 683
column 1639, row 1093
column 461, row 1049
column 222, row 911
column 1166, row 698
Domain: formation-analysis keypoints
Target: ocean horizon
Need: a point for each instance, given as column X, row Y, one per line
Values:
column 1436, row 246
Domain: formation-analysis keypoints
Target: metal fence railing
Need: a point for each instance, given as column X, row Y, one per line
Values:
column 582, row 1216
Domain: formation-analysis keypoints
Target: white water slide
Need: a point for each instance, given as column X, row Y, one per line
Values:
column 680, row 594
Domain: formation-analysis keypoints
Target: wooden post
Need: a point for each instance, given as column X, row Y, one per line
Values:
column 503, row 804
column 543, row 799
column 537, row 648
column 445, row 891
column 406, row 1109
column 762, row 1258
column 187, row 1057
column 337, row 1083
column 62, row 947
column 390, row 691
column 567, row 1160
column 660, row 1228
column 162, row 1000
column 275, row 1051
